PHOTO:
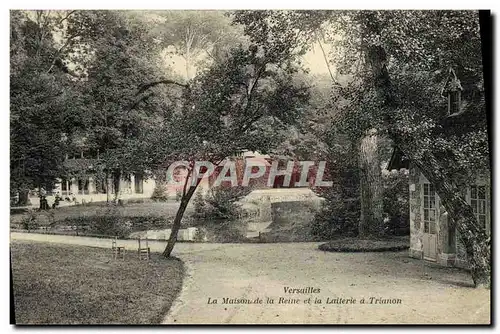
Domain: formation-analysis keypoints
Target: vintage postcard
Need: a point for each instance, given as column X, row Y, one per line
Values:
column 250, row 167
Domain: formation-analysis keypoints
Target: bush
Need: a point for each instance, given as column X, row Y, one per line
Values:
column 29, row 222
column 108, row 221
column 36, row 219
column 221, row 232
column 393, row 244
column 340, row 212
column 200, row 235
column 396, row 204
column 135, row 201
column 178, row 195
column 160, row 193
column 219, row 204
column 337, row 218
column 199, row 206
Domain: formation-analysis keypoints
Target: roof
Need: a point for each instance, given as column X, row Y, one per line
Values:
column 255, row 161
column 80, row 164
column 398, row 160
column 250, row 154
column 451, row 84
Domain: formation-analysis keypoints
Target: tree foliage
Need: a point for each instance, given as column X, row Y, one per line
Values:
column 43, row 103
column 396, row 63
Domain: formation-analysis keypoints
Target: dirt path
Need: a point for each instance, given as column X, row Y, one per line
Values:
column 156, row 246
column 427, row 293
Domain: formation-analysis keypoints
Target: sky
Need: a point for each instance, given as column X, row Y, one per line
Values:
column 313, row 59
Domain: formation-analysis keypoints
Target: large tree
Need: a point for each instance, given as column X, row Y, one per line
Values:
column 239, row 102
column 399, row 61
column 198, row 38
column 313, row 28
column 414, row 115
column 235, row 105
column 43, row 100
column 402, row 61
column 118, row 51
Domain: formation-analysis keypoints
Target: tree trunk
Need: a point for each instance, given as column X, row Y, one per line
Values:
column 472, row 235
column 371, row 219
column 178, row 219
column 116, row 184
column 23, row 197
column 106, row 180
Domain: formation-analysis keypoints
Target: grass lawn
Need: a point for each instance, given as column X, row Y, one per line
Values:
column 148, row 208
column 60, row 284
column 391, row 244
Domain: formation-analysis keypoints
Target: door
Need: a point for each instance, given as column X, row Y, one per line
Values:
column 430, row 219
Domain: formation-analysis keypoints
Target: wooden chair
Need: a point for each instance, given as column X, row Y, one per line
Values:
column 144, row 252
column 118, row 251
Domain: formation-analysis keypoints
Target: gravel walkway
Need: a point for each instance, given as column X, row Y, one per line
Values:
column 407, row 290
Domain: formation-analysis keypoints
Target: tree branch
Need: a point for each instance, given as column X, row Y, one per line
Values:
column 209, row 54
column 58, row 53
column 67, row 16
column 187, row 180
column 144, row 97
column 256, row 81
column 251, row 90
column 325, row 57
column 244, row 127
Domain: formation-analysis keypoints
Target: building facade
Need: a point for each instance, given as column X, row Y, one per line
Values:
column 432, row 234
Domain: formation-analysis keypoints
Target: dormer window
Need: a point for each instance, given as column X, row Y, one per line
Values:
column 452, row 90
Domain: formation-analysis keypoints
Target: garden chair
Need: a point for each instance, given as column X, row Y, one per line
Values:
column 118, row 251
column 144, row 252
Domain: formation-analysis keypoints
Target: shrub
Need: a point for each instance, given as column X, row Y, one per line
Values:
column 108, row 221
column 221, row 232
column 160, row 193
column 220, row 203
column 337, row 218
column 147, row 223
column 109, row 226
column 340, row 211
column 29, row 222
column 396, row 204
column 178, row 195
column 200, row 235
column 135, row 201
column 199, row 206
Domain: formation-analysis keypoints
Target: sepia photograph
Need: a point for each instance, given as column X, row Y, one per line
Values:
column 271, row 166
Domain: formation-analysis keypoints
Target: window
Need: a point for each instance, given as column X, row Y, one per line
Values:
column 75, row 155
column 429, row 209
column 65, row 187
column 127, row 185
column 83, row 187
column 100, row 186
column 478, row 203
column 138, row 185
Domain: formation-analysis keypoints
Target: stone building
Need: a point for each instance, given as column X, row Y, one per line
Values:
column 432, row 235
